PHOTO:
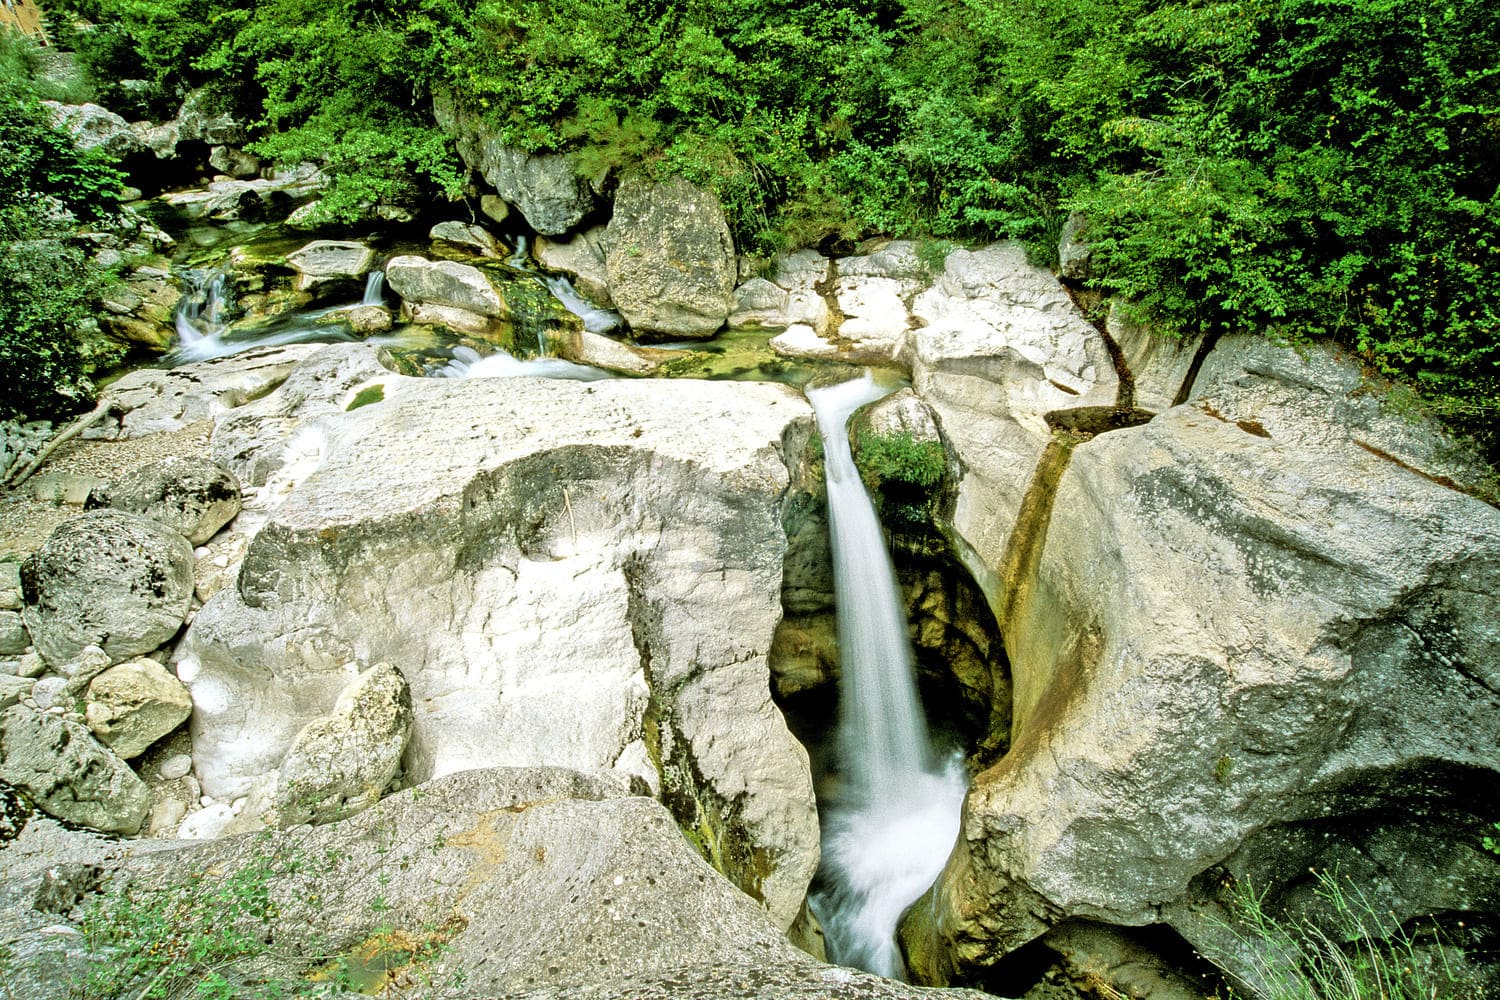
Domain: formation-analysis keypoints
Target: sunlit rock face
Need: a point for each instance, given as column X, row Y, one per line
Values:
column 1256, row 641
column 585, row 575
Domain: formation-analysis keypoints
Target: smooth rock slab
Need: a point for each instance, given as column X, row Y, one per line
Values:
column 107, row 578
column 68, row 773
column 578, row 569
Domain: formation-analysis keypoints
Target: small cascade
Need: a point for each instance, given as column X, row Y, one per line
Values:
column 199, row 318
column 469, row 363
column 374, row 289
column 595, row 318
column 891, row 821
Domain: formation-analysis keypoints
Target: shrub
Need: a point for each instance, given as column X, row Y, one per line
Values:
column 46, row 352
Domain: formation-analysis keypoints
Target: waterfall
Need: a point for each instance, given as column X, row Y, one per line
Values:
column 595, row 319
column 199, row 315
column 374, row 289
column 890, row 824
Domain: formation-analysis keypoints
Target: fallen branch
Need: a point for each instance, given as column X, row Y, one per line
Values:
column 67, row 434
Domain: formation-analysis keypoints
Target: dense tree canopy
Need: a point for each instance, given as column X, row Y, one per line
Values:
column 1304, row 168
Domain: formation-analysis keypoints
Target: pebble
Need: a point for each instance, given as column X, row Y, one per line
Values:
column 206, row 824
column 166, row 816
column 175, row 766
column 31, row 665
column 48, row 690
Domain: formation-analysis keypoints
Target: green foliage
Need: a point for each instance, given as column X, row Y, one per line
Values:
column 369, row 394
column 1302, row 168
column 20, row 72
column 42, row 174
column 1491, row 844
column 1355, row 951
column 218, row 931
column 149, row 941
column 46, row 351
column 902, row 475
column 154, row 41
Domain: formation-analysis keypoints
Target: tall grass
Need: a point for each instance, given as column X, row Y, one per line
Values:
column 1356, row 952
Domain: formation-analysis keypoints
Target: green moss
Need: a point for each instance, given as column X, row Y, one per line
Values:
column 369, row 394
column 904, row 477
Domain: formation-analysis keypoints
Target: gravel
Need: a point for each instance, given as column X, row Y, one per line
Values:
column 27, row 519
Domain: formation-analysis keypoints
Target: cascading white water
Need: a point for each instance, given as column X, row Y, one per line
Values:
column 890, row 824
column 199, row 316
column 595, row 318
column 469, row 363
column 374, row 289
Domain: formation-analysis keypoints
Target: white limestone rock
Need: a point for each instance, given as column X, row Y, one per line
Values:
column 323, row 261
column 577, row 559
column 1000, row 346
column 133, row 704
column 340, row 763
column 444, row 283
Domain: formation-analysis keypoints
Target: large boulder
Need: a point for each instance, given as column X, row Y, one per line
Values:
column 1255, row 642
column 581, row 259
column 93, row 127
column 342, row 762
column 499, row 882
column 465, row 239
column 546, row 188
column 190, row 494
column 324, row 261
column 999, row 347
column 257, row 199
column 585, row 575
column 68, row 774
column 107, row 578
column 199, row 119
column 670, row 258
column 133, row 704
column 444, row 283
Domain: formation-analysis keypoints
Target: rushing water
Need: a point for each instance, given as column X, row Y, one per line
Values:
column 374, row 289
column 892, row 820
column 469, row 363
